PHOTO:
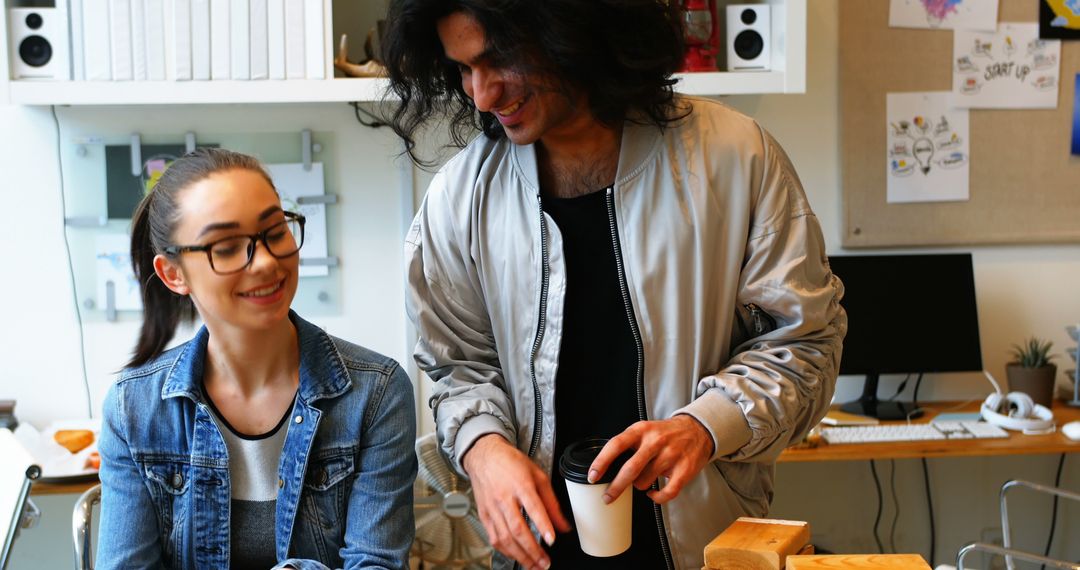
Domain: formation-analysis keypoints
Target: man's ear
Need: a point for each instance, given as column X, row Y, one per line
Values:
column 171, row 274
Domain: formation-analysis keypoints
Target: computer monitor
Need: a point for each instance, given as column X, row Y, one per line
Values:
column 907, row 314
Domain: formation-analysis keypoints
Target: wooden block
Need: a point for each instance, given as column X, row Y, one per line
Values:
column 756, row 544
column 834, row 561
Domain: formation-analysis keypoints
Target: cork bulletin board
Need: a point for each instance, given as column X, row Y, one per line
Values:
column 1024, row 184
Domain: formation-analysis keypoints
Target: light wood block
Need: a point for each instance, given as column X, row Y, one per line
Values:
column 808, row 549
column 756, row 544
column 834, row 561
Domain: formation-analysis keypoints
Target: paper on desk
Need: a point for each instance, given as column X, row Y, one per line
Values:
column 13, row 469
column 838, row 418
column 57, row 462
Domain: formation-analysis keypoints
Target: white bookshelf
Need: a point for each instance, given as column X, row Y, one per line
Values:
column 788, row 75
column 195, row 92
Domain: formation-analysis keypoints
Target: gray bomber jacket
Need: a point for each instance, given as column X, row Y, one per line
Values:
column 711, row 219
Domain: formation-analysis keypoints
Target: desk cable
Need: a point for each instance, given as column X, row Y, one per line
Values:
column 1053, row 512
column 900, row 388
column 71, row 266
column 896, row 502
column 929, row 509
column 880, row 509
column 926, row 478
column 877, row 518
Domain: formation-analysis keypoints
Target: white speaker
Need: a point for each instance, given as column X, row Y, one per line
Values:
column 748, row 37
column 38, row 45
column 1016, row 411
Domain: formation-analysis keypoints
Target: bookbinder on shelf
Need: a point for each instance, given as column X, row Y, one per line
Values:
column 184, row 40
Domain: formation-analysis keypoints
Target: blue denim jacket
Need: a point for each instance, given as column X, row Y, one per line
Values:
column 345, row 478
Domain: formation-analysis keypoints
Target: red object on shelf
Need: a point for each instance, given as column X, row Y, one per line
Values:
column 702, row 35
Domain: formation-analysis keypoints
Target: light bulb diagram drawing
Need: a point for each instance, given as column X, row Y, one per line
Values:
column 927, row 152
column 922, row 145
column 923, row 151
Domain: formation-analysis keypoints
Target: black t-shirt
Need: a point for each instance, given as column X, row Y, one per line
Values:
column 596, row 386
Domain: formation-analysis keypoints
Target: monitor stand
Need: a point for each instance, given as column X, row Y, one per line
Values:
column 869, row 405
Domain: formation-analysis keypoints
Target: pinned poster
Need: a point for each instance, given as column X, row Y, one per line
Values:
column 928, row 153
column 292, row 183
column 1076, row 118
column 1059, row 19
column 1008, row 69
column 946, row 14
column 113, row 269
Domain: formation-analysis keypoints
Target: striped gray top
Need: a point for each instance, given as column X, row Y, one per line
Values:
column 253, row 472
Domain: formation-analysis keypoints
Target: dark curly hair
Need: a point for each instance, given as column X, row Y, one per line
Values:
column 620, row 53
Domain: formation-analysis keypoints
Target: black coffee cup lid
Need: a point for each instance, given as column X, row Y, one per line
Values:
column 579, row 456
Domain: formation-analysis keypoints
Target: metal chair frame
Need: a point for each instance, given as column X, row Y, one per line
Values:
column 81, row 517
column 1006, row 548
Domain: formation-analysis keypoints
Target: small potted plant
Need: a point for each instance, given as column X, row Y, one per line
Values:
column 1031, row 371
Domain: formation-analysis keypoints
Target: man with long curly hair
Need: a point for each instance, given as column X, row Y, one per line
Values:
column 609, row 259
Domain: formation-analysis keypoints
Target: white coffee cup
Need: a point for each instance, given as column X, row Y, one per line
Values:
column 603, row 529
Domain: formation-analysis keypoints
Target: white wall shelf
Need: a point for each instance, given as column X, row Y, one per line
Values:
column 194, row 92
column 788, row 75
column 308, row 91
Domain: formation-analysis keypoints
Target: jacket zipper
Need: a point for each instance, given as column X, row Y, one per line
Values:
column 541, row 324
column 642, row 414
column 758, row 318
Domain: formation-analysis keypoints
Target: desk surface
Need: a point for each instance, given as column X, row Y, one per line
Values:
column 1016, row 444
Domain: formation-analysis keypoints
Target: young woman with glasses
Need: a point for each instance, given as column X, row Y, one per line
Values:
column 263, row 442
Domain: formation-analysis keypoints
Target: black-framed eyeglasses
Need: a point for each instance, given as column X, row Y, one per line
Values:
column 234, row 254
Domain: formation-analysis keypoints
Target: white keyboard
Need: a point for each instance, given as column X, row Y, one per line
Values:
column 912, row 432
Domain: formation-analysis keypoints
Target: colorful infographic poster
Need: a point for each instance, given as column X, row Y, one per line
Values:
column 927, row 156
column 1008, row 69
column 947, row 14
column 1059, row 19
column 1076, row 118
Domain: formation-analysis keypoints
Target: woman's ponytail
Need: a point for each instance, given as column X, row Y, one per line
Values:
column 163, row 310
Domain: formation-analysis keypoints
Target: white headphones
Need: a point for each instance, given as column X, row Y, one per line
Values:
column 1016, row 411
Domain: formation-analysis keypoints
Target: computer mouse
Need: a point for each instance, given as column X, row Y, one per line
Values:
column 1072, row 430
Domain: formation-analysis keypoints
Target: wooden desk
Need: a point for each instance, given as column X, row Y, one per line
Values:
column 41, row 488
column 1016, row 444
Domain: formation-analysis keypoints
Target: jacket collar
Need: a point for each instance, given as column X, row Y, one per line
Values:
column 640, row 143
column 322, row 371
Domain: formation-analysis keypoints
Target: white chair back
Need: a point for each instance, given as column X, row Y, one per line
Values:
column 17, row 473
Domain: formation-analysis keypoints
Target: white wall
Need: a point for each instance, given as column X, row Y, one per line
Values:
column 41, row 342
column 1021, row 291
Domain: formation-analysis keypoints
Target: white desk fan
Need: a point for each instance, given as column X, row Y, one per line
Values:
column 448, row 529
